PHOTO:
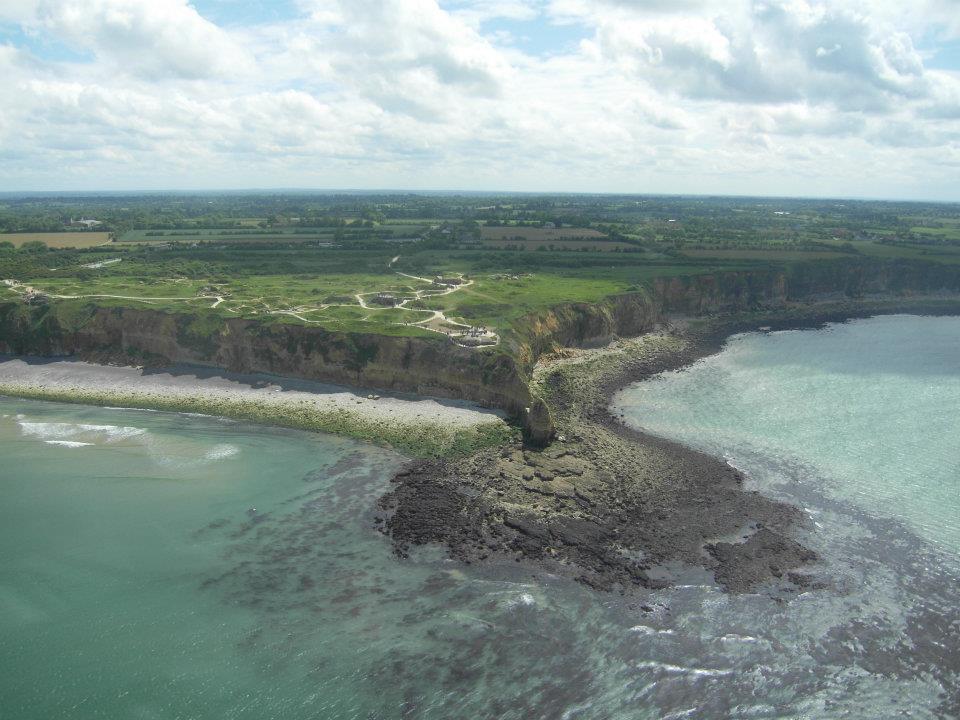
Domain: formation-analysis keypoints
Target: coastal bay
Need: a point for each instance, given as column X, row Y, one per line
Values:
column 272, row 533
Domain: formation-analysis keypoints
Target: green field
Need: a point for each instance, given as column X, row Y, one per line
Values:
column 231, row 235
column 307, row 259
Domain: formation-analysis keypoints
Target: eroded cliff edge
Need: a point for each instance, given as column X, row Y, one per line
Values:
column 604, row 503
column 496, row 377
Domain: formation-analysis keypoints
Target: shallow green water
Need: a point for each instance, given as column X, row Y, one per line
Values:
column 164, row 566
column 115, row 528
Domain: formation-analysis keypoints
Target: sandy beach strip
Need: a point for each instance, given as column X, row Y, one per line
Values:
column 398, row 419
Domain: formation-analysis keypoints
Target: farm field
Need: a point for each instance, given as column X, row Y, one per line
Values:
column 341, row 267
column 537, row 234
column 948, row 232
column 58, row 239
column 560, row 245
column 779, row 254
column 226, row 235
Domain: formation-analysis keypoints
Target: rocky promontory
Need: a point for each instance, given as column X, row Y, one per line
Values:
column 605, row 503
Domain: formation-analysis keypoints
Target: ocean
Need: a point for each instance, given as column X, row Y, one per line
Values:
column 156, row 565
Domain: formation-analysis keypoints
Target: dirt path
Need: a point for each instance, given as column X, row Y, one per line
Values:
column 436, row 321
column 25, row 289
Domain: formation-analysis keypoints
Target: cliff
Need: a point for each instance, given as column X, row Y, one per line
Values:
column 425, row 366
column 634, row 313
column 495, row 377
column 631, row 314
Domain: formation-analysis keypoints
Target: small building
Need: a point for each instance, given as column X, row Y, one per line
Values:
column 385, row 299
column 447, row 281
column 86, row 223
column 36, row 298
column 476, row 336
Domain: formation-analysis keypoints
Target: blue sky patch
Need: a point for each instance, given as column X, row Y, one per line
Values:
column 45, row 47
column 536, row 37
column 232, row 13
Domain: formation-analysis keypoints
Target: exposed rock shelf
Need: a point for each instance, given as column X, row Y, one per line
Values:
column 606, row 504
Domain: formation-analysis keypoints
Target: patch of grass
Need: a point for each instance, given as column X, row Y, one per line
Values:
column 537, row 234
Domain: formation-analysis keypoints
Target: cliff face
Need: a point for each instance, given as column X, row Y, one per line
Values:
column 410, row 364
column 631, row 314
column 435, row 366
column 582, row 325
column 859, row 277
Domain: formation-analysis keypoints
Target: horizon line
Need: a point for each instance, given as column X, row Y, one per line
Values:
column 454, row 192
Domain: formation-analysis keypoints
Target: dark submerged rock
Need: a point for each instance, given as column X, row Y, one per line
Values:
column 609, row 502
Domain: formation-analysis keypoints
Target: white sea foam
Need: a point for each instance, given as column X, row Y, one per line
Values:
column 68, row 443
column 680, row 669
column 220, row 452
column 523, row 599
column 65, row 431
column 733, row 638
column 647, row 630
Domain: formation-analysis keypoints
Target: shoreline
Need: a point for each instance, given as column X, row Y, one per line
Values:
column 605, row 503
column 612, row 506
column 415, row 426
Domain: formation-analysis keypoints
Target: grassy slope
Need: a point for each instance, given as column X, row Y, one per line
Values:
column 320, row 285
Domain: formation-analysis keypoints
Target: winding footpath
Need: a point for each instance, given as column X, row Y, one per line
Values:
column 436, row 321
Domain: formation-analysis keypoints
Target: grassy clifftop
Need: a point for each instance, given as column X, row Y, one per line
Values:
column 431, row 363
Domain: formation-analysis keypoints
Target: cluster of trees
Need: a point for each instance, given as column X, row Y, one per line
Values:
column 31, row 246
column 357, row 219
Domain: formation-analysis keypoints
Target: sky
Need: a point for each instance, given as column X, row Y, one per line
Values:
column 842, row 98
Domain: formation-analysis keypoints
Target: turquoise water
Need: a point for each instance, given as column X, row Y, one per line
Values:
column 155, row 565
column 133, row 575
column 870, row 407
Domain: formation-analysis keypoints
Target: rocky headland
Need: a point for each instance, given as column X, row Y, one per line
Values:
column 607, row 504
column 581, row 494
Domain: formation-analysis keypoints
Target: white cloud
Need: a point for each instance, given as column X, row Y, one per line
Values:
column 156, row 38
column 783, row 96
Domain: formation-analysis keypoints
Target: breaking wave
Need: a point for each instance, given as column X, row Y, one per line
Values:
column 89, row 434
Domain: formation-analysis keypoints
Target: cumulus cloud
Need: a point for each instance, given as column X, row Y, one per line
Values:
column 686, row 95
column 766, row 52
column 156, row 39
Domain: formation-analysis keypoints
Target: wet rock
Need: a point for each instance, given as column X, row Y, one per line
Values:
column 594, row 506
column 765, row 555
column 538, row 429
